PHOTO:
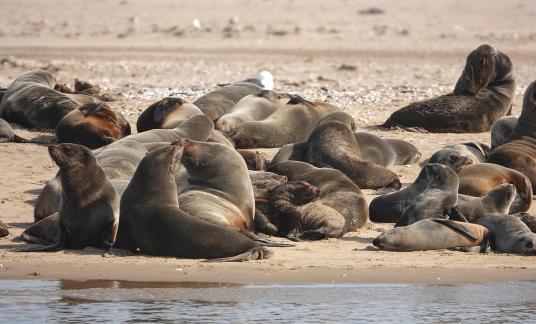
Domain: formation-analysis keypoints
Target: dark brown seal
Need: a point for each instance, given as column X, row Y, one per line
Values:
column 509, row 234
column 4, row 231
column 153, row 223
column 483, row 93
column 528, row 219
column 92, row 125
column 501, row 130
column 169, row 112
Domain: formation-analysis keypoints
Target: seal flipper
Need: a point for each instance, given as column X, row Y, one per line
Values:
column 456, row 227
column 455, row 215
column 90, row 109
column 58, row 246
column 263, row 241
column 256, row 253
column 263, row 223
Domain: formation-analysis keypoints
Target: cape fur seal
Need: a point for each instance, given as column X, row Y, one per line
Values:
column 219, row 188
column 479, row 179
column 433, row 234
column 152, row 221
column 7, row 134
column 332, row 144
column 169, row 112
column 458, row 155
column 89, row 207
column 528, row 219
column 498, row 200
column 483, row 93
column 509, row 234
column 250, row 108
column 255, row 160
column 501, row 130
column 32, row 101
column 92, row 125
column 434, row 189
column 386, row 152
column 316, row 203
column 289, row 124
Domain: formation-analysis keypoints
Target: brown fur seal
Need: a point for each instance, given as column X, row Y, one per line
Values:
column 219, row 137
column 292, row 123
column 458, row 155
column 254, row 159
column 4, row 231
column 432, row 234
column 498, row 200
column 478, row 179
column 332, row 144
column 89, row 207
column 92, row 125
column 528, row 219
column 386, row 152
column 483, row 93
column 7, row 134
column 435, row 182
column 169, row 112
column 509, row 234
column 220, row 101
column 250, row 108
column 219, row 189
column 32, row 101
column 152, row 221
column 317, row 203
column 502, row 129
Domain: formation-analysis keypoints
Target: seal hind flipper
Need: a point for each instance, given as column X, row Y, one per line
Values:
column 18, row 139
column 456, row 227
column 256, row 253
column 264, row 242
column 57, row 246
column 455, row 214
column 34, row 239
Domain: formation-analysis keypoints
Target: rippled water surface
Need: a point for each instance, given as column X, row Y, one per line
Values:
column 120, row 301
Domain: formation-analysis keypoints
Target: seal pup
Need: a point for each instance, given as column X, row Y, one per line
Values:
column 435, row 181
column 32, row 101
column 316, row 203
column 169, row 112
column 433, row 234
column 498, row 200
column 386, row 152
column 458, row 155
column 89, row 206
column 292, row 123
column 7, row 135
column 255, row 160
column 528, row 219
column 153, row 222
column 479, row 179
column 483, row 93
column 509, row 234
column 92, row 125
column 250, row 108
column 219, row 188
column 332, row 144
column 501, row 130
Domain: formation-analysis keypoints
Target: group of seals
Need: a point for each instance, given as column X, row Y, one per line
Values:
column 483, row 93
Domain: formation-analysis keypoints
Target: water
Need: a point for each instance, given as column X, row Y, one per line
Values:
column 120, row 301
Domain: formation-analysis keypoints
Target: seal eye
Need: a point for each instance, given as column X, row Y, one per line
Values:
column 529, row 245
column 66, row 149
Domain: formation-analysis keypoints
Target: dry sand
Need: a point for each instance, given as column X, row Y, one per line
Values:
column 148, row 50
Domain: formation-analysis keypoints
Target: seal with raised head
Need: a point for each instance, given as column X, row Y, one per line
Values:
column 386, row 152
column 7, row 135
column 501, row 130
column 32, row 101
column 169, row 112
column 509, row 234
column 89, row 207
column 498, row 200
column 219, row 188
column 292, row 123
column 483, row 93
column 332, row 144
column 458, row 155
column 479, row 179
column 92, row 125
column 433, row 234
column 153, row 222
column 250, row 108
column 316, row 203
column 435, row 182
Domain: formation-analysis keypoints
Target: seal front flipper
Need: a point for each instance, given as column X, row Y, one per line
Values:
column 256, row 253
column 457, row 227
column 58, row 246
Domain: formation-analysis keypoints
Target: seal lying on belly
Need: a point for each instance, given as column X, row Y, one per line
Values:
column 32, row 101
column 386, row 152
column 92, row 125
column 483, row 93
column 89, row 206
column 169, row 112
column 498, row 200
column 152, row 221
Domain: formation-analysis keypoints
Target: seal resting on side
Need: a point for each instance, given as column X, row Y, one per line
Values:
column 169, row 112
column 152, row 221
column 483, row 93
column 386, row 152
column 7, row 135
column 433, row 234
column 509, row 234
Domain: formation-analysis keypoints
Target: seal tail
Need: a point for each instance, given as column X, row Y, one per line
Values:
column 256, row 253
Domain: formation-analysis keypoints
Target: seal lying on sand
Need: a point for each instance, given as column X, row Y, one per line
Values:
column 386, row 152
column 332, row 144
column 528, row 219
column 458, row 155
column 509, row 234
column 92, row 125
column 32, row 101
column 433, row 234
column 483, row 93
column 169, row 112
column 317, row 203
column 7, row 134
column 292, row 123
column 152, row 221
column 435, row 181
column 89, row 207
column 498, row 200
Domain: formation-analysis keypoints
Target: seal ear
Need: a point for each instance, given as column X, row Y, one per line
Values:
column 456, row 227
column 91, row 109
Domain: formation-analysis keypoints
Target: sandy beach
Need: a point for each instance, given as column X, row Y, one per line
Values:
column 368, row 57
